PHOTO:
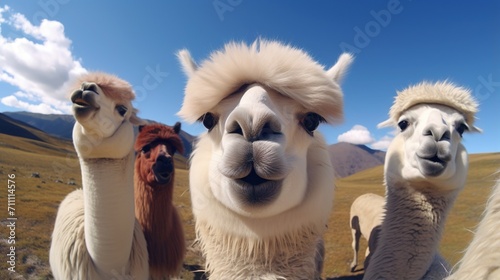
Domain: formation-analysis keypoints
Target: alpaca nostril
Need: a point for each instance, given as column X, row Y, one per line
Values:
column 235, row 127
column 437, row 133
column 90, row 87
column 76, row 95
column 445, row 136
column 163, row 164
column 164, row 159
column 268, row 130
column 253, row 125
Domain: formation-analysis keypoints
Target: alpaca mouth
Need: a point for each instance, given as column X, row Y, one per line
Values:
column 432, row 166
column 81, row 102
column 253, row 178
column 255, row 190
column 162, row 178
column 161, row 173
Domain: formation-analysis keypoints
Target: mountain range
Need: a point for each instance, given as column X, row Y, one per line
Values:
column 346, row 158
column 62, row 126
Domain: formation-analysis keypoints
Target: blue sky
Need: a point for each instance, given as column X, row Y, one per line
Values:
column 45, row 44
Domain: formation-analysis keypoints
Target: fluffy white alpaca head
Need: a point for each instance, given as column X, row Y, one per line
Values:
column 261, row 105
column 102, row 107
column 431, row 119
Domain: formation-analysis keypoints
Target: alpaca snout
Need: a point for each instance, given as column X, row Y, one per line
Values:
column 163, row 169
column 85, row 98
column 253, row 126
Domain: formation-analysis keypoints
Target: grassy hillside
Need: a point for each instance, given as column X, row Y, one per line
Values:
column 38, row 197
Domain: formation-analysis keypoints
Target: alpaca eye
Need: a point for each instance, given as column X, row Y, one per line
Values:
column 146, row 149
column 311, row 121
column 122, row 110
column 403, row 125
column 462, row 128
column 209, row 120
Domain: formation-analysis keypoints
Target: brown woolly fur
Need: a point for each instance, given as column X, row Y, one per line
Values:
column 444, row 93
column 158, row 133
column 153, row 201
column 112, row 86
column 288, row 70
column 285, row 255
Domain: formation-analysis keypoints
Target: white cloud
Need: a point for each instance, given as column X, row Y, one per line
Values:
column 43, row 108
column 357, row 135
column 383, row 143
column 39, row 63
column 2, row 10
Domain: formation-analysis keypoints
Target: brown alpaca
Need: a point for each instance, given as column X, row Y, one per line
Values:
column 154, row 185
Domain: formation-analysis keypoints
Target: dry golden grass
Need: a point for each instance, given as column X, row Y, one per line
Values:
column 37, row 200
column 463, row 217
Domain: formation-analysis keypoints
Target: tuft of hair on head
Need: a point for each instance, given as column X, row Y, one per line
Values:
column 441, row 92
column 152, row 132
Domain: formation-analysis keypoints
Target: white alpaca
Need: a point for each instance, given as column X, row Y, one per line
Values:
column 95, row 234
column 425, row 168
column 261, row 179
column 482, row 257
column 367, row 213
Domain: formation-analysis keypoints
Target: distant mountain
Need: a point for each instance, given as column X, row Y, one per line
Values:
column 22, row 136
column 348, row 159
column 56, row 125
column 62, row 126
column 17, row 128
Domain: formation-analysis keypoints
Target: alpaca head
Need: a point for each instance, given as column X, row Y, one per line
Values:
column 431, row 119
column 261, row 105
column 102, row 107
column 155, row 147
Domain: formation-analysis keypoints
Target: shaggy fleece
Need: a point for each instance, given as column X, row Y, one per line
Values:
column 444, row 93
column 268, row 63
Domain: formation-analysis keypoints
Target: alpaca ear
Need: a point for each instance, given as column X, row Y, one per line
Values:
column 187, row 62
column 177, row 127
column 386, row 123
column 473, row 128
column 338, row 70
column 135, row 120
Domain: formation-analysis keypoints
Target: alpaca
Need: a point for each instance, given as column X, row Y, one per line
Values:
column 96, row 235
column 482, row 257
column 261, row 180
column 425, row 168
column 367, row 213
column 155, row 147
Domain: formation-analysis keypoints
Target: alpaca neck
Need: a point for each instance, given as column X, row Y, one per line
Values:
column 153, row 208
column 109, row 211
column 161, row 226
column 410, row 232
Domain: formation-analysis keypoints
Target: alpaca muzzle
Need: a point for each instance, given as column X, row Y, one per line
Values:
column 163, row 169
column 433, row 155
column 84, row 101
